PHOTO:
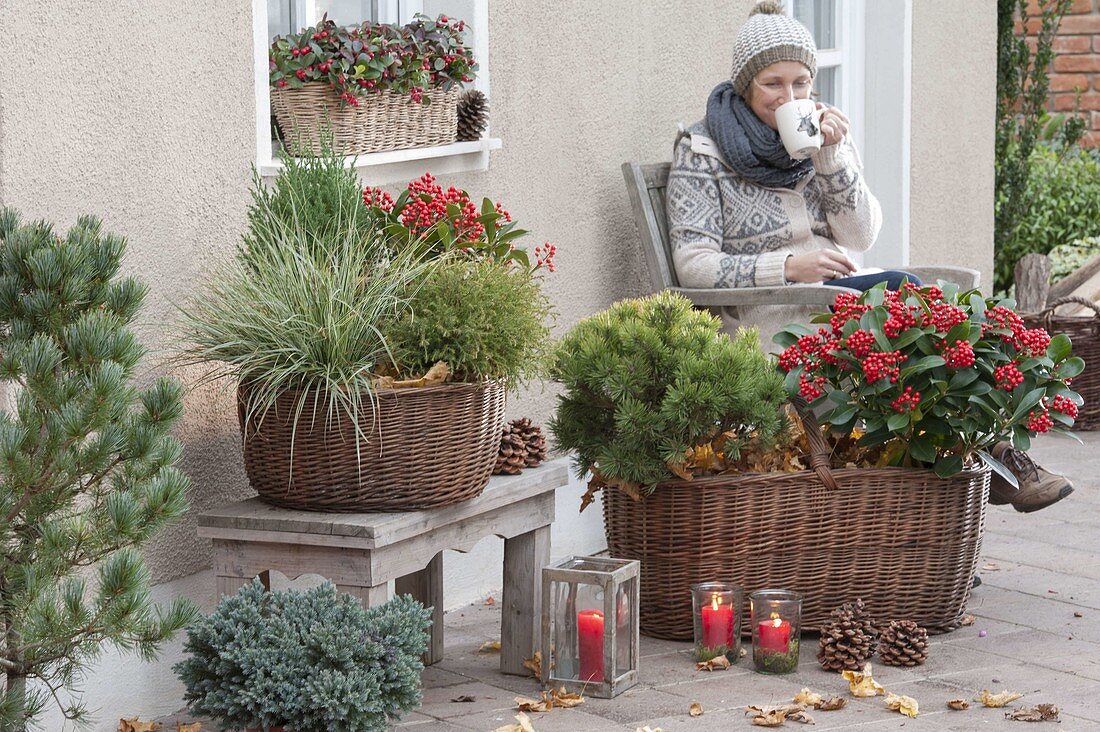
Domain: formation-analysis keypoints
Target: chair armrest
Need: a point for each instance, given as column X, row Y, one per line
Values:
column 820, row 295
column 965, row 277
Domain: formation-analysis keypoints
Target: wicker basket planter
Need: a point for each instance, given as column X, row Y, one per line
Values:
column 1084, row 331
column 904, row 540
column 387, row 120
column 428, row 447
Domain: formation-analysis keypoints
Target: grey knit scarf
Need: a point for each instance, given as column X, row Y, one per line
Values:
column 751, row 148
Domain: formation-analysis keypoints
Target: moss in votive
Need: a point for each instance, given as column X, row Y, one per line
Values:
column 768, row 662
column 706, row 653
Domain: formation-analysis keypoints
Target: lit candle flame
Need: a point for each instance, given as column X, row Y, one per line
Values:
column 776, row 621
column 715, row 601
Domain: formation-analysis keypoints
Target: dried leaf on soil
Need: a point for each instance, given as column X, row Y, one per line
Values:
column 464, row 699
column 490, row 600
column 489, row 647
column 833, row 704
column 718, row 663
column 967, row 620
column 193, row 727
column 136, row 725
column 696, row 709
column 775, row 716
column 959, row 705
column 647, row 728
column 566, row 699
column 998, row 700
column 1037, row 713
column 534, row 664
column 861, row 683
column 526, row 704
column 906, row 705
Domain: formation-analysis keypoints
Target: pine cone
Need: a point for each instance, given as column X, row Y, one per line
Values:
column 473, row 115
column 848, row 638
column 512, row 457
column 533, row 439
column 903, row 643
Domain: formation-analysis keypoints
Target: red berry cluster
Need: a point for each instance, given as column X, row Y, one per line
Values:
column 1008, row 376
column 902, row 316
column 1034, row 341
column 860, row 343
column 883, row 366
column 1002, row 318
column 810, row 387
column 846, row 307
column 1039, row 422
column 1065, row 405
column 907, row 402
column 544, row 255
column 428, row 204
column 377, row 198
column 959, row 356
column 928, row 292
column 944, row 316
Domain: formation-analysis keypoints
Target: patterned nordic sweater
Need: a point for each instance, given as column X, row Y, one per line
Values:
column 725, row 231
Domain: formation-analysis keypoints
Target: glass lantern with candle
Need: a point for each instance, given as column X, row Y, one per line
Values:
column 776, row 625
column 717, row 614
column 590, row 625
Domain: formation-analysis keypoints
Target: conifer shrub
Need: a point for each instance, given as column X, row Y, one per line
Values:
column 485, row 319
column 88, row 466
column 307, row 661
column 648, row 380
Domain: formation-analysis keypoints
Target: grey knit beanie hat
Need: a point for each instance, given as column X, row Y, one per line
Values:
column 768, row 36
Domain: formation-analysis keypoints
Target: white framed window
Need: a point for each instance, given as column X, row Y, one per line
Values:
column 838, row 30
column 278, row 17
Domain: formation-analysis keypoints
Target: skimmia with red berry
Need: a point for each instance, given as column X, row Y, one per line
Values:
column 936, row 376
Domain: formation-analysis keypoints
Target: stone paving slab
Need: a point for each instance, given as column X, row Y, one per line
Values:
column 1032, row 643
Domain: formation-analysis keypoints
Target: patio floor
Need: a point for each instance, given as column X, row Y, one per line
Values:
column 1038, row 606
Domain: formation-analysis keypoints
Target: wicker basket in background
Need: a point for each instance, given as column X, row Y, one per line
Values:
column 386, row 120
column 1084, row 332
column 426, row 447
column 904, row 540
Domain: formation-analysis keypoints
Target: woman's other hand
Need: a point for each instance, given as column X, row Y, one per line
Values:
column 817, row 266
column 834, row 125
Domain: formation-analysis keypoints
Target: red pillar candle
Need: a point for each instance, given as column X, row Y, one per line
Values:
column 775, row 635
column 717, row 623
column 590, row 644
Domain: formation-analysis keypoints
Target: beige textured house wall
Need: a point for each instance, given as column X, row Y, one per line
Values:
column 142, row 113
column 953, row 110
column 161, row 151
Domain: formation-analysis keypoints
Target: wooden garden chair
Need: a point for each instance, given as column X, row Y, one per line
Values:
column 645, row 182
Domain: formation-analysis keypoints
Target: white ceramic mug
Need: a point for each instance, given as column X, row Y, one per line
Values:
column 799, row 122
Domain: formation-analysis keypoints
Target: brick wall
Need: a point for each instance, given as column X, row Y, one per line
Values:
column 1077, row 64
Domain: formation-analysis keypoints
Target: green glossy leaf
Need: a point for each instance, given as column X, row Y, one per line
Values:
column 948, row 465
column 1060, row 347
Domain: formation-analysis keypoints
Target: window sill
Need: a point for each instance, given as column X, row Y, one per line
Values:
column 401, row 166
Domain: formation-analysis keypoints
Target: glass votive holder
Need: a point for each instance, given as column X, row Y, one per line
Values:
column 776, row 625
column 717, row 612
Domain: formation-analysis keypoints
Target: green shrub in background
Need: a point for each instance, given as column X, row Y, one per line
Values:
column 1066, row 258
column 487, row 320
column 1062, row 205
column 308, row 661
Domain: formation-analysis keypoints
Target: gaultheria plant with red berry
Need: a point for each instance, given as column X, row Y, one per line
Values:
column 372, row 57
column 934, row 376
column 439, row 221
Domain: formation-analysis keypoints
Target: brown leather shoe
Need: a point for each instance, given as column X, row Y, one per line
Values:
column 1038, row 489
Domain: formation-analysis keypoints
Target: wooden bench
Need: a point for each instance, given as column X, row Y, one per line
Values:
column 361, row 553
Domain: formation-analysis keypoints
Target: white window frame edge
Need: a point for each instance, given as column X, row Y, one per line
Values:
column 392, row 165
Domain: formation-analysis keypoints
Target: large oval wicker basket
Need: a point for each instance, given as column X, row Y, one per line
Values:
column 386, row 120
column 1084, row 331
column 903, row 540
column 426, row 447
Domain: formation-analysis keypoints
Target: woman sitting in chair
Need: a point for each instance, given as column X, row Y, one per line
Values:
column 743, row 213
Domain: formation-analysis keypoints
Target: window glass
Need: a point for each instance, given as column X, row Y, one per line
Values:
column 825, row 84
column 348, row 12
column 279, row 14
column 820, row 17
